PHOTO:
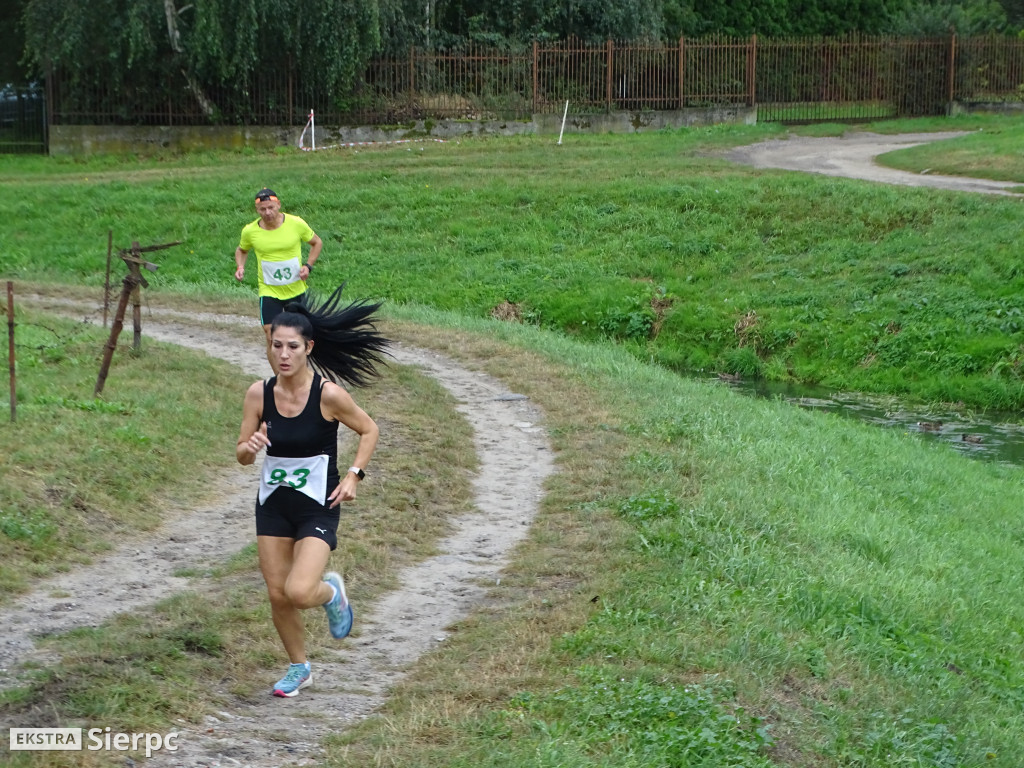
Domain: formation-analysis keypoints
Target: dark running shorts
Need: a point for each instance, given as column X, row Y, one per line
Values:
column 293, row 515
column 271, row 307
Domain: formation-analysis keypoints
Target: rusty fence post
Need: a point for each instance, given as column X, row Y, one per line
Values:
column 609, row 75
column 115, row 331
column 752, row 72
column 535, row 77
column 10, row 337
column 133, row 268
column 952, row 73
column 106, row 281
column 129, row 291
column 682, row 73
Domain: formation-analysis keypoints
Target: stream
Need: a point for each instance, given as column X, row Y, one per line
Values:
column 989, row 435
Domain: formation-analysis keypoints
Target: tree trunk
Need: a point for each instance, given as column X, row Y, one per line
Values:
column 175, row 38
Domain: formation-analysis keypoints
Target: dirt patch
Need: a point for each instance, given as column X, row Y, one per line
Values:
column 508, row 311
column 853, row 156
column 353, row 680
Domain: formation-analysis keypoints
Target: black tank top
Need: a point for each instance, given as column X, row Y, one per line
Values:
column 308, row 434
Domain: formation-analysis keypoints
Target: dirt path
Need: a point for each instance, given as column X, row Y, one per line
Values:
column 515, row 458
column 852, row 156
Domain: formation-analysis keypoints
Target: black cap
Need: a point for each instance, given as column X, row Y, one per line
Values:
column 266, row 194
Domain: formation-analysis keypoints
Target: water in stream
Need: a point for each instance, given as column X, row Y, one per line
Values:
column 989, row 435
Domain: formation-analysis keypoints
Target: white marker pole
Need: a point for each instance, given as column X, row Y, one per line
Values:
column 566, row 112
column 312, row 129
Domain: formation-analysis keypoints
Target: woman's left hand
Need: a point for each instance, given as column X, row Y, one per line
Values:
column 346, row 490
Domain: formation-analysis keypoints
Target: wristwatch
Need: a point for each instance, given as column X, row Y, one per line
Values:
column 357, row 472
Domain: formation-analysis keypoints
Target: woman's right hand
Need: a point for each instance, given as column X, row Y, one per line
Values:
column 258, row 440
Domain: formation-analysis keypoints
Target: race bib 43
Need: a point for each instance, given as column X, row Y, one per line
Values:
column 280, row 272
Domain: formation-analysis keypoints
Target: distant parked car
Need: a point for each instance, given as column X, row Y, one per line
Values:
column 21, row 106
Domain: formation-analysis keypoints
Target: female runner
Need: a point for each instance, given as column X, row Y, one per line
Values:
column 295, row 416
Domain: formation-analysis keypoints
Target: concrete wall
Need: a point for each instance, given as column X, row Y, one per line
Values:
column 93, row 139
column 127, row 140
column 638, row 122
column 1014, row 108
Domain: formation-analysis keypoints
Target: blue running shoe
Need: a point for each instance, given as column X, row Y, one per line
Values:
column 339, row 612
column 298, row 677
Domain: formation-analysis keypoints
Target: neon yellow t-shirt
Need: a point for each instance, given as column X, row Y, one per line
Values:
column 278, row 255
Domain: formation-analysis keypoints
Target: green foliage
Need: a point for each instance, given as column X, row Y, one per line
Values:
column 903, row 741
column 632, row 318
column 77, row 463
column 34, row 527
column 742, row 361
column 780, row 18
column 635, row 721
column 126, row 43
column 648, row 506
column 936, row 18
column 327, row 43
column 523, row 20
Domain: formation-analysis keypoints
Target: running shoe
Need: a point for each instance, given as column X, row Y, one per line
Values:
column 298, row 677
column 339, row 611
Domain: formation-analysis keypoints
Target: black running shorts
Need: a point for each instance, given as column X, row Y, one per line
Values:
column 271, row 307
column 293, row 515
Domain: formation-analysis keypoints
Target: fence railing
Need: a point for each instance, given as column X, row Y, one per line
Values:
column 22, row 119
column 789, row 80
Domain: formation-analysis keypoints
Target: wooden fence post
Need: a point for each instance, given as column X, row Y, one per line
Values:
column 115, row 330
column 133, row 268
column 10, row 337
column 106, row 280
column 129, row 290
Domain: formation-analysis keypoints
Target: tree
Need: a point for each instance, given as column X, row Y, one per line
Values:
column 222, row 43
column 971, row 17
column 12, row 42
column 776, row 18
column 519, row 21
column 1014, row 13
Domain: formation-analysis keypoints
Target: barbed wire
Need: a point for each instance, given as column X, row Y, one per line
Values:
column 59, row 339
column 89, row 320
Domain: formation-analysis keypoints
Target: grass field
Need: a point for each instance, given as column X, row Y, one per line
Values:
column 713, row 581
column 648, row 241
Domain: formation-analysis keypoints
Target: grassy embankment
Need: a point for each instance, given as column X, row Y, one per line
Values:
column 704, row 565
column 688, row 260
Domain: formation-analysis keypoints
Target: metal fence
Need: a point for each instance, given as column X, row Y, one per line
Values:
column 799, row 80
column 852, row 79
column 22, row 119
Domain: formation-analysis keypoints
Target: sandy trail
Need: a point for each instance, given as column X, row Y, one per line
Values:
column 852, row 156
column 352, row 681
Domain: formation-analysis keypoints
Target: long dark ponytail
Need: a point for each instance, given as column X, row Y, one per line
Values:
column 347, row 345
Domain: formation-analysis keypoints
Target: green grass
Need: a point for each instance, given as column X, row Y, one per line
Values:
column 712, row 580
column 77, row 467
column 992, row 152
column 761, row 569
column 648, row 241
